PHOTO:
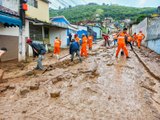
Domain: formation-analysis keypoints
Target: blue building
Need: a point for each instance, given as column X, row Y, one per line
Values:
column 82, row 30
column 63, row 32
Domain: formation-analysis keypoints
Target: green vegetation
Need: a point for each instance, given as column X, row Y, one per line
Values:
column 89, row 12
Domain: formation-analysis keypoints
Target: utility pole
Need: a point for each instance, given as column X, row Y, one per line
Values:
column 158, row 9
column 22, row 49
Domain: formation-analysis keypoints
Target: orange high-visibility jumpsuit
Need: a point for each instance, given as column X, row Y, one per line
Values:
column 77, row 39
column 57, row 45
column 140, row 37
column 134, row 38
column 122, row 45
column 130, row 39
column 84, row 47
column 90, row 41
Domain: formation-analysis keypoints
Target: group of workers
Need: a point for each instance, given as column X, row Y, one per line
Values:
column 77, row 46
column 80, row 47
column 123, row 39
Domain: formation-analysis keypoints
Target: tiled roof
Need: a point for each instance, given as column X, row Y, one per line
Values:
column 8, row 11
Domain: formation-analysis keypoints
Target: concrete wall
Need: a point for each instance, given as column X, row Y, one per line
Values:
column 9, row 38
column 151, row 29
column 58, row 32
column 11, row 43
column 12, row 31
column 41, row 13
column 98, row 31
column 154, row 45
column 153, row 37
column 141, row 27
column 11, row 4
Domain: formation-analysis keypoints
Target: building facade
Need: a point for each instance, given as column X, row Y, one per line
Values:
column 36, row 26
column 9, row 28
column 65, row 28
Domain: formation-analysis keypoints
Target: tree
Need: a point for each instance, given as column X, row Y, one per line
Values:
column 141, row 18
column 89, row 12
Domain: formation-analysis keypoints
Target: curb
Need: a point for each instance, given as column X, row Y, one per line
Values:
column 146, row 67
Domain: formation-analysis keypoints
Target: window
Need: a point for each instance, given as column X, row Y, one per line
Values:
column 46, row 32
column 33, row 3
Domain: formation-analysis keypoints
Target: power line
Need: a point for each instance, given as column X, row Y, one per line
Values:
column 74, row 2
column 63, row 4
column 54, row 4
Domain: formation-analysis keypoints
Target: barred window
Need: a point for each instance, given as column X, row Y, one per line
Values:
column 33, row 3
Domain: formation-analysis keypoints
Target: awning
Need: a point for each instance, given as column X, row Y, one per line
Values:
column 10, row 21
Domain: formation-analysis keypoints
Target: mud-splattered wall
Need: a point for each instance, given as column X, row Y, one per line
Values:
column 153, row 37
column 141, row 27
column 151, row 29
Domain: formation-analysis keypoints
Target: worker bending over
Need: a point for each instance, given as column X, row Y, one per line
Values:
column 121, row 43
column 74, row 49
column 38, row 51
column 106, row 39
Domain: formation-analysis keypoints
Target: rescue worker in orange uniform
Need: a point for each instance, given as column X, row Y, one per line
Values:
column 57, row 46
column 121, row 43
column 140, row 37
column 134, row 38
column 76, row 38
column 90, row 42
column 84, row 46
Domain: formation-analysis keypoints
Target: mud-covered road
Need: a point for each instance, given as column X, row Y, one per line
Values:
column 102, row 87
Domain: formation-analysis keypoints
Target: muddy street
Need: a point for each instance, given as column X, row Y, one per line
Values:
column 102, row 87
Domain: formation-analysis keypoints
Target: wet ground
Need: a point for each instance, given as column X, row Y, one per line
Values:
column 100, row 88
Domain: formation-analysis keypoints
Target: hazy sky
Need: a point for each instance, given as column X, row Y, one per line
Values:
column 134, row 3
